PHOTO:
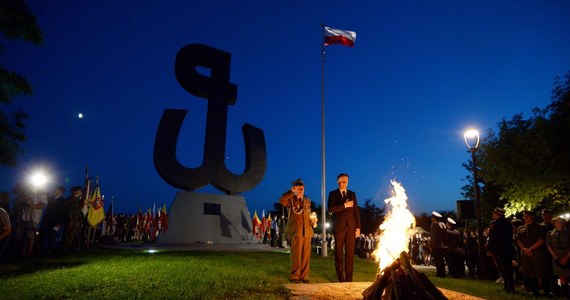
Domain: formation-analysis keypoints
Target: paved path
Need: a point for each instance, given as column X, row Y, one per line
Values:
column 348, row 291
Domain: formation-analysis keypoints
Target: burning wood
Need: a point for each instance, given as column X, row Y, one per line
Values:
column 401, row 281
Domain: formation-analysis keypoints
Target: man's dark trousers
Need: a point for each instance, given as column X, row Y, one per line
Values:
column 344, row 240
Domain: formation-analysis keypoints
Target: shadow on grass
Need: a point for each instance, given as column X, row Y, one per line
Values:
column 15, row 267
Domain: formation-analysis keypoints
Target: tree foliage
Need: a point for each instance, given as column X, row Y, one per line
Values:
column 371, row 217
column 16, row 22
column 525, row 164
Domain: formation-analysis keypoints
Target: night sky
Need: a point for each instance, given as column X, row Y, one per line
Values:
column 397, row 104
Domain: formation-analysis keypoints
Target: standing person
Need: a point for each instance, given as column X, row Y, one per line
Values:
column 547, row 221
column 471, row 252
column 300, row 229
column 536, row 265
column 282, row 242
column 22, row 215
column 500, row 247
column 274, row 231
column 454, row 249
column 519, row 277
column 5, row 201
column 438, row 234
column 39, row 202
column 73, row 221
column 5, row 225
column 52, row 226
column 346, row 225
column 558, row 244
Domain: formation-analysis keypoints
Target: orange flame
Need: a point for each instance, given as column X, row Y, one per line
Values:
column 395, row 230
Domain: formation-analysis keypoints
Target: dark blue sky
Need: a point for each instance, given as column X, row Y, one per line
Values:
column 421, row 72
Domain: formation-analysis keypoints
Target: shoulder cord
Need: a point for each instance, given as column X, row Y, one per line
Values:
column 300, row 211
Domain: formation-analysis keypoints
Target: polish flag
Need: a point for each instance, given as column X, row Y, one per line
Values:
column 337, row 36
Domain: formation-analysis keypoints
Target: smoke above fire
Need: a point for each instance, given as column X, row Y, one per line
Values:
column 395, row 231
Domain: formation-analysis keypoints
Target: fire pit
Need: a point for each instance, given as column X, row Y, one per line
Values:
column 401, row 281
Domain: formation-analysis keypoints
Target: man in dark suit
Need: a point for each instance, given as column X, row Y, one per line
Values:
column 53, row 221
column 500, row 247
column 346, row 225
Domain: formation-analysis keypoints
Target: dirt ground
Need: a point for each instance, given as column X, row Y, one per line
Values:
column 348, row 290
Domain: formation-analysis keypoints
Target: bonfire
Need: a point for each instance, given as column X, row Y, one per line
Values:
column 396, row 278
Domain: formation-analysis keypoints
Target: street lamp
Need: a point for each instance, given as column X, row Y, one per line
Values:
column 38, row 180
column 471, row 138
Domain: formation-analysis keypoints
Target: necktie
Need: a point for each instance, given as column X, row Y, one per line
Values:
column 344, row 195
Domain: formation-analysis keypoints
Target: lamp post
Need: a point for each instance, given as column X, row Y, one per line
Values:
column 471, row 138
column 38, row 180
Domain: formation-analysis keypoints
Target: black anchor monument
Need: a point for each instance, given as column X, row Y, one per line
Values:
column 198, row 217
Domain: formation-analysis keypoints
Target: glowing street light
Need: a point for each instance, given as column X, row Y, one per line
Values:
column 38, row 180
column 471, row 138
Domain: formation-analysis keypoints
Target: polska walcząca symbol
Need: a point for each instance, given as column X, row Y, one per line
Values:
column 220, row 93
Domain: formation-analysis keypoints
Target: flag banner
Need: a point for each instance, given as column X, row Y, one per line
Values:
column 340, row 37
column 268, row 226
column 110, row 221
column 148, row 222
column 256, row 225
column 155, row 223
column 86, row 196
column 96, row 212
column 164, row 218
column 139, row 226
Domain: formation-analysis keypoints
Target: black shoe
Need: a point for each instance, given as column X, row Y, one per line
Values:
column 305, row 280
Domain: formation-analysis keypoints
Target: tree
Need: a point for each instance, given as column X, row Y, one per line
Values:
column 371, row 217
column 525, row 164
column 16, row 22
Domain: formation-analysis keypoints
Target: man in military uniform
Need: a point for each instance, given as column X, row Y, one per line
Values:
column 73, row 220
column 438, row 233
column 454, row 249
column 300, row 229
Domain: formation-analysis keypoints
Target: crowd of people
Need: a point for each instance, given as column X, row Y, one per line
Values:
column 523, row 252
column 41, row 223
column 526, row 253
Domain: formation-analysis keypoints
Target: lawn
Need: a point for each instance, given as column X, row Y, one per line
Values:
column 136, row 274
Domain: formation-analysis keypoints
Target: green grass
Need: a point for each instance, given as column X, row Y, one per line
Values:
column 134, row 274
column 486, row 289
column 123, row 274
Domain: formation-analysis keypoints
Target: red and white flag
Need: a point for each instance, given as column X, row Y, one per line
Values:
column 341, row 37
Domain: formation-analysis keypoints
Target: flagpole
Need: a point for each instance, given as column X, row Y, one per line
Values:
column 324, row 244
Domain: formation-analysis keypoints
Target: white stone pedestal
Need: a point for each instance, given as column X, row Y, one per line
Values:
column 207, row 218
